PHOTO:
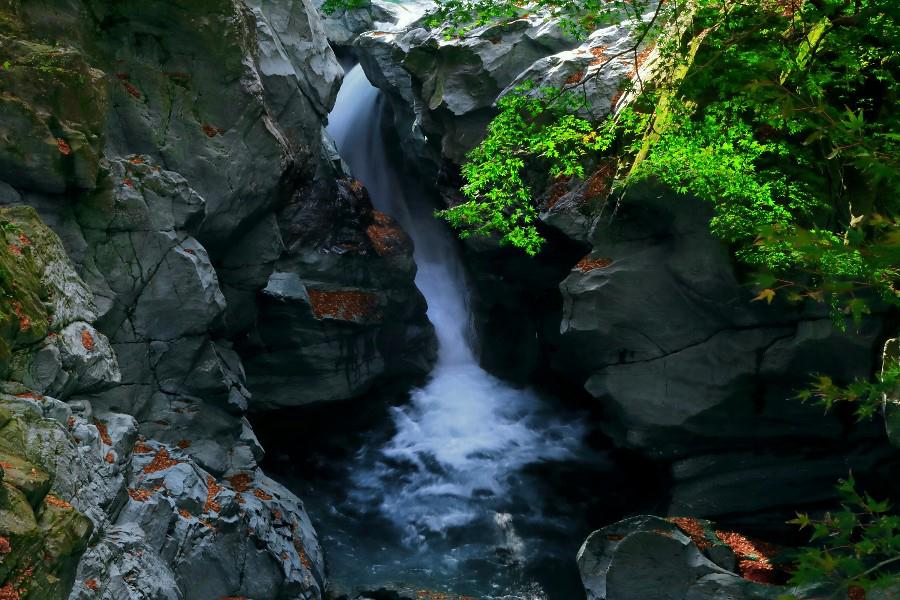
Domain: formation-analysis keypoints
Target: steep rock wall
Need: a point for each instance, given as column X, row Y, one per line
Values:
column 636, row 302
column 181, row 244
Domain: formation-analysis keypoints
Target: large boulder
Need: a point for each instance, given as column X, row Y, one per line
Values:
column 341, row 312
column 658, row 324
column 443, row 89
column 343, row 26
column 651, row 558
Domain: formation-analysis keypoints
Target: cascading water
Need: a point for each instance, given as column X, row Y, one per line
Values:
column 453, row 465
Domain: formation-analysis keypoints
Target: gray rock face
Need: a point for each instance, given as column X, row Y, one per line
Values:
column 692, row 371
column 340, row 311
column 443, row 91
column 188, row 190
column 344, row 26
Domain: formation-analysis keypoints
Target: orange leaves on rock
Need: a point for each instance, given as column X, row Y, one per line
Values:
column 240, row 482
column 31, row 396
column 557, row 190
column 854, row 592
column 637, row 61
column 161, row 462
column 184, row 514
column 386, row 236
column 92, row 585
column 143, row 448
column 63, row 147
column 57, row 502
column 753, row 557
column 87, row 340
column 599, row 183
column 136, row 160
column 110, row 457
column 344, row 305
column 139, row 495
column 9, row 592
column 24, row 320
column 212, row 490
column 5, row 547
column 694, row 529
column 599, row 56
column 104, row 432
column 261, row 494
column 588, row 264
column 211, row 131
column 132, row 91
column 301, row 552
column 575, row 78
column 432, row 595
column 183, row 444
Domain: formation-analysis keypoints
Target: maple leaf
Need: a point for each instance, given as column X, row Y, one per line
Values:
column 767, row 294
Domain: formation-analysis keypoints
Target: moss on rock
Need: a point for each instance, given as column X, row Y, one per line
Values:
column 42, row 537
column 24, row 317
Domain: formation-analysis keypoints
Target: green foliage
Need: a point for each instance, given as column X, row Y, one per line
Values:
column 785, row 122
column 797, row 110
column 577, row 17
column 856, row 548
column 333, row 6
column 536, row 133
column 868, row 397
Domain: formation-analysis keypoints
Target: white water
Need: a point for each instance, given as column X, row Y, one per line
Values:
column 465, row 435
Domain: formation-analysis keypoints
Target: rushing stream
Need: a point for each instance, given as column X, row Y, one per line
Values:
column 465, row 435
column 466, row 485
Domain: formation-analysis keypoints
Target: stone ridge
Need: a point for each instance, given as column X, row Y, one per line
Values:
column 170, row 209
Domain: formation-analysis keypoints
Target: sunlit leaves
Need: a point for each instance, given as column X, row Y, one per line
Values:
column 857, row 546
column 866, row 397
column 530, row 136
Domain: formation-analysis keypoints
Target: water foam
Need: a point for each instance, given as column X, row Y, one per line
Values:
column 465, row 435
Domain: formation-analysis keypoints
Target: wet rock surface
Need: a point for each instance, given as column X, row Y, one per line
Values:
column 165, row 182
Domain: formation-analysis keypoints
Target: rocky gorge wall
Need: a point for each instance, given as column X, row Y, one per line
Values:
column 634, row 302
column 181, row 247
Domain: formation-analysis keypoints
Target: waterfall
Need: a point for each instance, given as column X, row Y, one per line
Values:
column 465, row 434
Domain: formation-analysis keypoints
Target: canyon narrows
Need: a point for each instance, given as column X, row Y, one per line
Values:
column 449, row 300
column 449, row 480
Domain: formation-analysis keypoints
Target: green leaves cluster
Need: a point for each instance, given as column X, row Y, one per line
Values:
column 577, row 17
column 786, row 125
column 536, row 136
column 856, row 549
column 330, row 7
column 867, row 397
column 784, row 121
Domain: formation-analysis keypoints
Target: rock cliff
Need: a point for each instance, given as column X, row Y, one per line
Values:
column 181, row 247
column 634, row 301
